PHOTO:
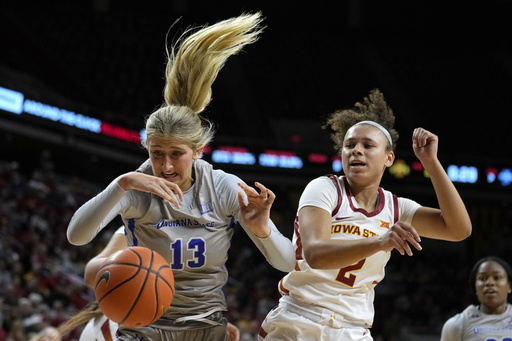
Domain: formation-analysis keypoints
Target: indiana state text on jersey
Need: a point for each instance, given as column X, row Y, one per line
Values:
column 183, row 222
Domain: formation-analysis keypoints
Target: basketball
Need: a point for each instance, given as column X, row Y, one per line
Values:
column 134, row 286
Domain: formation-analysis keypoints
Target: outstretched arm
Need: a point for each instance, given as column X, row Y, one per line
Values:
column 255, row 219
column 451, row 221
column 256, row 211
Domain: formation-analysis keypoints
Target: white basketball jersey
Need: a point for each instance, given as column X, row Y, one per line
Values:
column 347, row 292
column 99, row 329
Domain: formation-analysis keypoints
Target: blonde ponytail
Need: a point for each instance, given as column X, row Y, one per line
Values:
column 89, row 312
column 193, row 65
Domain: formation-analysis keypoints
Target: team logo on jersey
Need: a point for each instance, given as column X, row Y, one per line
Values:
column 206, row 207
column 104, row 276
column 385, row 224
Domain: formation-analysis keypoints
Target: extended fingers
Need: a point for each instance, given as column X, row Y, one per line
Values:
column 265, row 192
column 251, row 191
column 167, row 190
column 171, row 192
column 408, row 230
column 402, row 246
column 406, row 235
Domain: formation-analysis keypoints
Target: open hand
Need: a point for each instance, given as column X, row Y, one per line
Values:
column 152, row 184
column 256, row 209
column 400, row 236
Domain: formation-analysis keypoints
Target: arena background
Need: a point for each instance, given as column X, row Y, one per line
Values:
column 444, row 66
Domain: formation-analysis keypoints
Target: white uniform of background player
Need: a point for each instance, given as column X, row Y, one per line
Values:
column 99, row 329
column 338, row 298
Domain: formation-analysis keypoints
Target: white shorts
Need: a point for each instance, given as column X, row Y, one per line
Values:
column 285, row 324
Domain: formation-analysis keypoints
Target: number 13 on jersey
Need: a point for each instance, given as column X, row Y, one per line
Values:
column 198, row 248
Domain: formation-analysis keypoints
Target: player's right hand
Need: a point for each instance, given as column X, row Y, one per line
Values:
column 400, row 236
column 148, row 183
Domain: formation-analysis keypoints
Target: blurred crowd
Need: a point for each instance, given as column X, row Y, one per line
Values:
column 41, row 281
column 41, row 274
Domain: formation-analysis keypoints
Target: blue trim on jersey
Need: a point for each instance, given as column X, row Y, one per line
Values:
column 131, row 227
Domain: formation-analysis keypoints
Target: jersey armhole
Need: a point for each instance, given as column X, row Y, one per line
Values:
column 334, row 178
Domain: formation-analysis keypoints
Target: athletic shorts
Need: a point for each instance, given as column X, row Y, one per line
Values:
column 189, row 331
column 284, row 323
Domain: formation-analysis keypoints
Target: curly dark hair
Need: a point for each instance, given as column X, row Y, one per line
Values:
column 372, row 108
column 503, row 263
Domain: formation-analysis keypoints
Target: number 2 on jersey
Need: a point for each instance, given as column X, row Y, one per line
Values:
column 346, row 277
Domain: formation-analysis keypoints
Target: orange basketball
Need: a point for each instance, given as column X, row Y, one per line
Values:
column 134, row 286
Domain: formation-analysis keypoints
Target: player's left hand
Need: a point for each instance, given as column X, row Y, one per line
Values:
column 256, row 208
column 424, row 144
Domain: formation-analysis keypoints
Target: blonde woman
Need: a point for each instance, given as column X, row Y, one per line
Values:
column 177, row 204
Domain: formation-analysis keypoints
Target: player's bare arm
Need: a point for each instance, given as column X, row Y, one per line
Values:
column 451, row 221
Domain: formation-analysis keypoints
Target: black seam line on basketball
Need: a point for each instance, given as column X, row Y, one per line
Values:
column 158, row 276
column 148, row 270
column 163, row 278
column 156, row 297
column 133, row 266
column 117, row 286
column 141, row 288
column 128, row 279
